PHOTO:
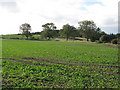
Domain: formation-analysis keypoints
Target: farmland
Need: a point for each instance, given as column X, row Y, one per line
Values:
column 58, row 64
column 18, row 36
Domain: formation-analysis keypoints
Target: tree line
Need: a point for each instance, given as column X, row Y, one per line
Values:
column 86, row 29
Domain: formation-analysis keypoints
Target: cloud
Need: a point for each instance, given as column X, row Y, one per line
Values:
column 10, row 5
column 110, row 29
column 60, row 12
column 110, row 22
column 105, row 15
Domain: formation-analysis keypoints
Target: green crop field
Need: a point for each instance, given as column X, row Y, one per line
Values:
column 59, row 64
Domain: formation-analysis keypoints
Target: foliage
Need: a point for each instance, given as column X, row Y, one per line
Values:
column 114, row 41
column 68, row 31
column 97, row 34
column 112, row 36
column 87, row 28
column 48, row 75
column 25, row 29
column 105, row 38
column 49, row 30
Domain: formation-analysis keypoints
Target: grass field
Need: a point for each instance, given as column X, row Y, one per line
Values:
column 59, row 64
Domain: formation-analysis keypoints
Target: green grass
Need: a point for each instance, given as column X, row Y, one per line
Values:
column 61, row 66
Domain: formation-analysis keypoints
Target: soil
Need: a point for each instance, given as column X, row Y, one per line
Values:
column 70, row 63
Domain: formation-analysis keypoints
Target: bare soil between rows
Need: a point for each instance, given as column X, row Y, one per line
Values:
column 69, row 63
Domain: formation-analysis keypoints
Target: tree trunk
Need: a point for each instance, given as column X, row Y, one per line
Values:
column 67, row 38
column 27, row 38
column 87, row 39
column 48, row 38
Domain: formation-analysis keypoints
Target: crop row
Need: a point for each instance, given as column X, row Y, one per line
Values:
column 16, row 74
column 91, row 67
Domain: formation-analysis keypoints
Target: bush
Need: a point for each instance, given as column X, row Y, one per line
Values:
column 114, row 41
column 105, row 38
column 92, row 40
column 14, row 38
column 32, row 38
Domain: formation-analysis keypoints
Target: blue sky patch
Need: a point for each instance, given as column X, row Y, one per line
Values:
column 92, row 2
column 83, row 8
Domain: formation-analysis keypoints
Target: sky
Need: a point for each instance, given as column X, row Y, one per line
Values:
column 13, row 13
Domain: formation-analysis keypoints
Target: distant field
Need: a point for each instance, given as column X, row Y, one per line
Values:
column 18, row 36
column 59, row 64
column 11, row 36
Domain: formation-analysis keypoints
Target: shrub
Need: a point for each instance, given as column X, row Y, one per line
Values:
column 32, row 38
column 92, row 40
column 104, row 38
column 14, row 38
column 114, row 41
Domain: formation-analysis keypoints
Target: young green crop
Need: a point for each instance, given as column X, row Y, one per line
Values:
column 58, row 76
column 86, row 52
column 57, row 64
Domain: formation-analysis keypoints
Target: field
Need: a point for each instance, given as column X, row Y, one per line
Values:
column 59, row 64
column 19, row 36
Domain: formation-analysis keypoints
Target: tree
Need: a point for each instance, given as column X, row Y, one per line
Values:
column 68, row 31
column 25, row 29
column 87, row 28
column 118, row 35
column 112, row 36
column 105, row 38
column 97, row 34
column 49, row 30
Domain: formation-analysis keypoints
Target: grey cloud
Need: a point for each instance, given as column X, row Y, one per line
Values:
column 111, row 25
column 8, row 4
column 56, row 18
column 110, row 21
column 110, row 29
column 11, row 6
